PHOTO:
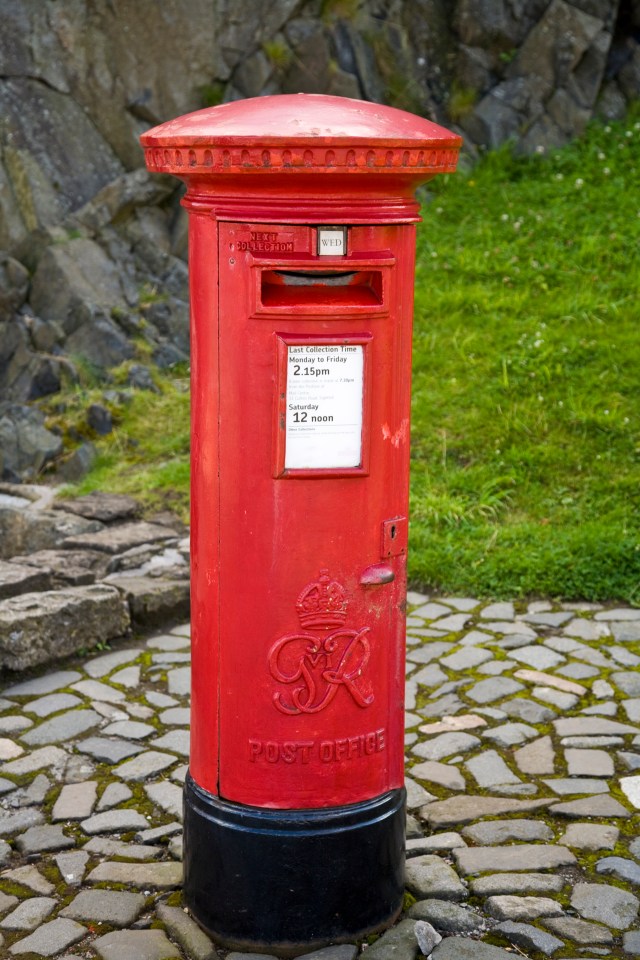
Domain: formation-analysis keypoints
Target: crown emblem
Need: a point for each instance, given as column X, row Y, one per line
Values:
column 322, row 604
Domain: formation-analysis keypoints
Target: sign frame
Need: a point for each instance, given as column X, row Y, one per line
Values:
column 283, row 342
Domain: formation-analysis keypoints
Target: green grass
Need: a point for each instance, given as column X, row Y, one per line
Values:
column 526, row 389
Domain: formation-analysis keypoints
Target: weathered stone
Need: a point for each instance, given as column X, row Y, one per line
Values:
column 398, row 943
column 167, row 796
column 113, row 794
column 527, row 710
column 95, row 690
column 175, row 740
column 146, row 765
column 492, row 689
column 180, row 716
column 113, row 821
column 141, row 944
column 117, row 539
column 72, row 866
column 75, row 802
column 109, row 751
column 443, row 774
column 16, row 578
column 62, row 728
column 563, row 701
column 7, row 902
column 522, row 908
column 460, row 810
column 590, row 836
column 129, row 729
column 29, row 876
column 516, row 884
column 489, row 770
column 580, row 931
column 523, row 856
column 605, row 904
column 179, row 681
column 105, row 846
column 598, row 806
column 525, row 935
column 157, row 833
column 26, row 443
column 38, row 628
column 630, row 786
column 113, row 907
column 50, row 938
column 625, row 870
column 11, row 822
column 537, row 757
column 184, row 930
column 566, row 786
column 590, row 726
column 156, row 876
column 493, row 833
column 53, row 703
column 446, row 745
column 429, row 876
column 426, row 936
column 153, row 601
column 446, row 916
column 50, row 757
column 39, row 839
column 549, row 680
column 462, row 948
column 29, row 914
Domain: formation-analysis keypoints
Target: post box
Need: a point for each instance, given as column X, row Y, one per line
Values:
column 301, row 248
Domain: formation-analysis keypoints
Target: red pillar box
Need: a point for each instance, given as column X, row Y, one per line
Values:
column 301, row 248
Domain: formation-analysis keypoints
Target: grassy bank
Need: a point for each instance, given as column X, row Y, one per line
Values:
column 526, row 396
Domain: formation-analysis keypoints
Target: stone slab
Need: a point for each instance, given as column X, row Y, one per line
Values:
column 430, row 876
column 136, row 945
column 155, row 876
column 117, row 908
column 62, row 727
column 50, row 938
column 521, row 856
column 460, row 810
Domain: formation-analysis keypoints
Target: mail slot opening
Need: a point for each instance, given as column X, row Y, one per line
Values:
column 283, row 288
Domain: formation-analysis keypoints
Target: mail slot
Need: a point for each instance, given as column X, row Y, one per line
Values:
column 302, row 238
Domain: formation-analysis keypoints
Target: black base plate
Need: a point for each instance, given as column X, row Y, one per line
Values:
column 288, row 881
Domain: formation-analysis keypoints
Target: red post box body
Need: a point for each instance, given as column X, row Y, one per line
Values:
column 301, row 251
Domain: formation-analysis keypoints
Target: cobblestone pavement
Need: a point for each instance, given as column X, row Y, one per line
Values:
column 523, row 776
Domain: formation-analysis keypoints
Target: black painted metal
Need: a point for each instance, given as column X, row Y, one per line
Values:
column 292, row 880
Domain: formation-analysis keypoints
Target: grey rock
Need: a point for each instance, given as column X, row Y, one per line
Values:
column 127, row 677
column 26, row 443
column 516, row 884
column 29, row 914
column 144, row 766
column 492, row 689
column 566, row 786
column 398, row 943
column 62, row 728
column 53, row 703
column 429, row 676
column 46, row 684
column 105, row 507
column 114, row 907
column 591, row 836
column 72, row 469
column 461, row 948
column 456, row 811
column 628, row 682
column 29, row 876
column 117, row 539
column 141, row 944
column 587, row 743
column 167, row 796
column 7, row 902
column 563, row 701
column 179, row 681
column 590, row 726
column 156, row 833
column 175, row 740
column 498, row 611
column 99, row 667
column 113, row 794
column 21, row 820
column 509, row 734
column 528, row 710
column 50, row 938
column 626, row 870
column 109, row 751
column 626, row 633
column 96, row 690
column 443, row 774
column 433, row 844
column 631, row 942
column 429, row 876
column 446, row 745
column 343, row 951
column 53, row 758
column 538, row 657
column 522, row 856
column 426, row 936
column 38, row 628
column 522, row 908
column 525, row 935
column 446, row 916
column 75, row 802
column 630, row 760
column 490, row 770
column 108, row 847
column 154, row 601
column 597, row 806
column 72, row 866
column 589, row 763
column 580, row 931
column 129, row 729
column 447, row 705
column 113, row 821
column 496, row 832
column 537, row 757
column 605, row 904
column 156, row 876
column 187, row 933
column 16, row 578
column 180, row 716
column 39, row 839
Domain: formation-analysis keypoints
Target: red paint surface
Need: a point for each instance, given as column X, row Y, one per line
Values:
column 294, row 707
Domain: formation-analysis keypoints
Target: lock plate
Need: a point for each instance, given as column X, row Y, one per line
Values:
column 395, row 533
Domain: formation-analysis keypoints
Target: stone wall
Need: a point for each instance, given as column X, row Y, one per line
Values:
column 94, row 249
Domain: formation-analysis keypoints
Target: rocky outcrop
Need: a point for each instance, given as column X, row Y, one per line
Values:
column 93, row 269
column 79, row 573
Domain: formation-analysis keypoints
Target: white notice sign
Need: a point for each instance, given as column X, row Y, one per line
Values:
column 324, row 406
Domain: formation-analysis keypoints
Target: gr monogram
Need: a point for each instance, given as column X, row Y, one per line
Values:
column 316, row 667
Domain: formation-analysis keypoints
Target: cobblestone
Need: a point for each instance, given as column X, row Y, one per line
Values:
column 503, row 697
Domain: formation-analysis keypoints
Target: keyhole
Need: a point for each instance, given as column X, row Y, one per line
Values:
column 393, row 532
